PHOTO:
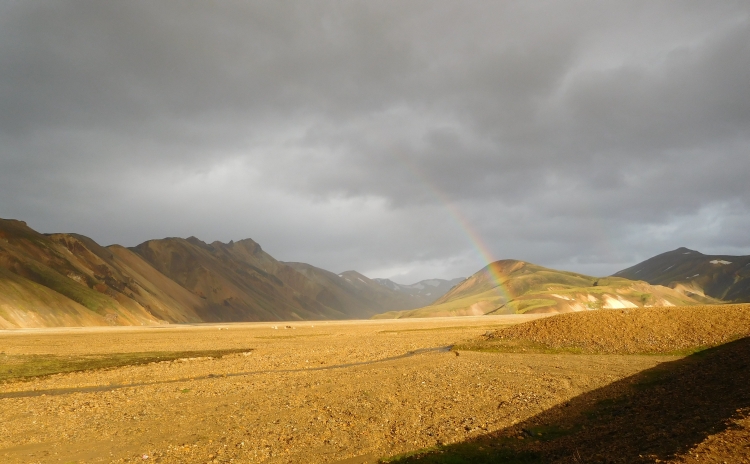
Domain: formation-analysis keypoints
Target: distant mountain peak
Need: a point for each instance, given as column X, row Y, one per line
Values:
column 427, row 290
column 685, row 251
column 718, row 276
column 199, row 243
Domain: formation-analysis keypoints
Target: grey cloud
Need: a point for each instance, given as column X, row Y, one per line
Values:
column 370, row 135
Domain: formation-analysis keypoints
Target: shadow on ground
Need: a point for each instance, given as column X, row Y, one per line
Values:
column 649, row 417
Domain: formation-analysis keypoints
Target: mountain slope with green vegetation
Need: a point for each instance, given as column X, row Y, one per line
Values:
column 64, row 280
column 49, row 280
column 517, row 287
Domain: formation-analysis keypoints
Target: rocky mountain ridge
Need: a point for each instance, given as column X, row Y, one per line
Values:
column 724, row 277
column 424, row 291
column 70, row 280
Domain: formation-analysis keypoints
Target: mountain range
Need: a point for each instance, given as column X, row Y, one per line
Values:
column 70, row 280
column 513, row 287
column 675, row 278
column 424, row 291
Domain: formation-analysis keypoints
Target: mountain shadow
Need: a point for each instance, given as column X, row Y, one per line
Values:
column 648, row 417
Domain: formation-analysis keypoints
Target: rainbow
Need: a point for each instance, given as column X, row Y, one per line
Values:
column 467, row 229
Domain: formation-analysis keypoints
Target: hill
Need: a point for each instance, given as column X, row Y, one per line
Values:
column 690, row 272
column 237, row 281
column 628, row 331
column 424, row 292
column 357, row 292
column 513, row 287
column 70, row 280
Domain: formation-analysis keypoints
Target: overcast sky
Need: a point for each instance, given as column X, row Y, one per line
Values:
column 403, row 139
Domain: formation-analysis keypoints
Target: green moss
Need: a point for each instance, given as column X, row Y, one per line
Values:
column 449, row 328
column 82, row 295
column 26, row 367
column 514, row 346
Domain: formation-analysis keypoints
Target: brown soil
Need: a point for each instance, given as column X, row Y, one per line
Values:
column 641, row 330
column 730, row 445
column 692, row 409
column 299, row 396
column 360, row 391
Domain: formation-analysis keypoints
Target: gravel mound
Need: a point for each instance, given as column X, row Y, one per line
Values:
column 637, row 330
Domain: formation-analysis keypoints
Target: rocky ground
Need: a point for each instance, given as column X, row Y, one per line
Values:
column 361, row 391
column 630, row 331
column 299, row 396
column 731, row 445
column 693, row 409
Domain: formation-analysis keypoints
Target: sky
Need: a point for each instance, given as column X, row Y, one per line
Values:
column 403, row 139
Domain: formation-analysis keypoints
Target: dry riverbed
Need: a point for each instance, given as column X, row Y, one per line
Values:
column 349, row 392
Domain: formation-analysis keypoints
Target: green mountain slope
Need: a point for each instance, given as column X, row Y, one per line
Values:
column 64, row 279
column 513, row 287
column 70, row 280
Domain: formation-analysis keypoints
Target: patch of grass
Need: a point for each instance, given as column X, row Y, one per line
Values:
column 91, row 299
column 522, row 306
column 460, row 306
column 273, row 337
column 28, row 367
column 697, row 350
column 514, row 346
column 435, row 329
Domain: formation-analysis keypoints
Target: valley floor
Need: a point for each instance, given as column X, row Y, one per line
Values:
column 329, row 392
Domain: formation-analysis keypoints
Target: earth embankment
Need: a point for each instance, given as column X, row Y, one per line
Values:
column 626, row 331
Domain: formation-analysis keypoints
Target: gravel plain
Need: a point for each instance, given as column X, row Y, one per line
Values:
column 346, row 392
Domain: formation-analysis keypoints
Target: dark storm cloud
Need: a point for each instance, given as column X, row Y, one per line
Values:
column 383, row 136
